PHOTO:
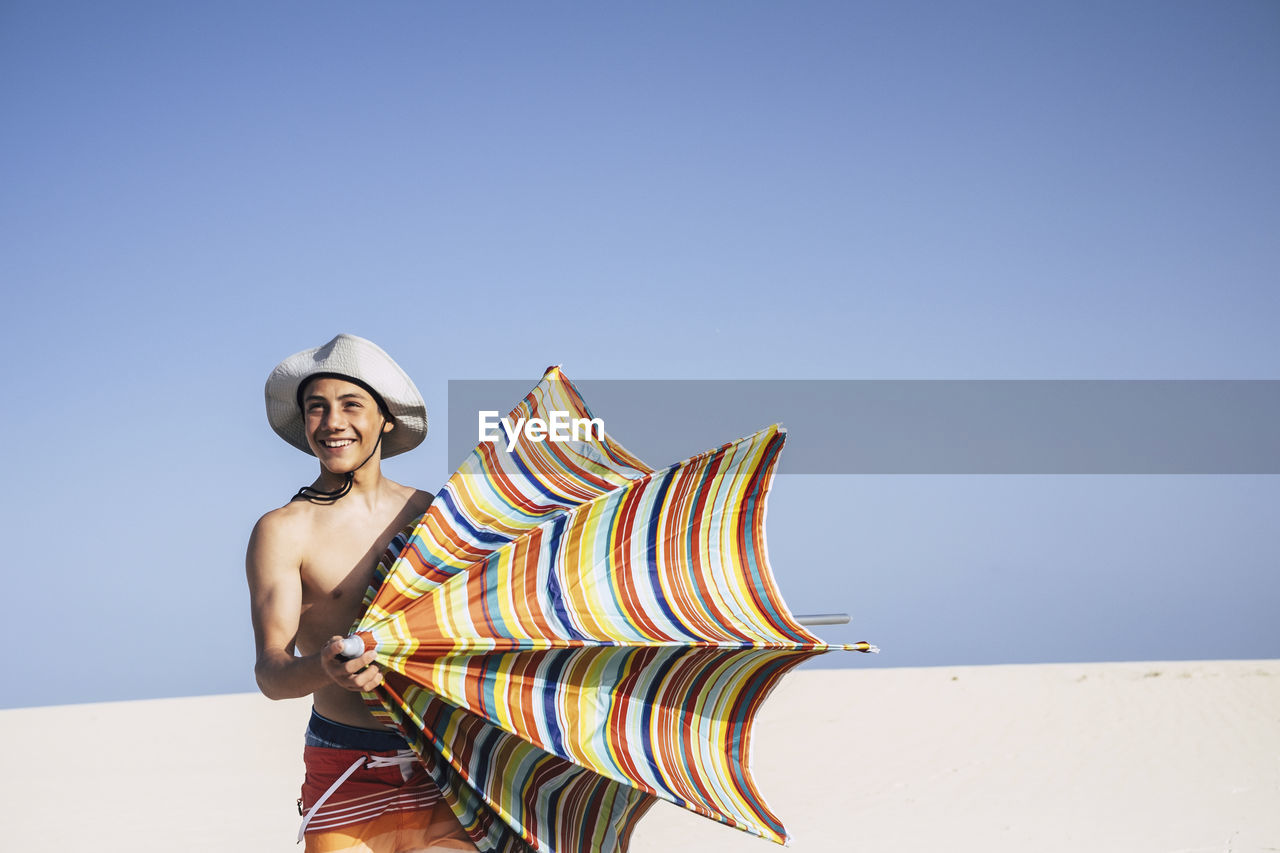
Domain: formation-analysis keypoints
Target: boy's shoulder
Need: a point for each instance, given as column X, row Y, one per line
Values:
column 291, row 512
column 289, row 522
column 419, row 499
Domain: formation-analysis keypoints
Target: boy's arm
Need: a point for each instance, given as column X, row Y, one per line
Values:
column 272, row 565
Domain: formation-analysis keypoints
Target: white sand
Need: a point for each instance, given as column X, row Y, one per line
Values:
column 1126, row 757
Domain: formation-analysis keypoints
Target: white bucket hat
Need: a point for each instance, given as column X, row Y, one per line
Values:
column 354, row 358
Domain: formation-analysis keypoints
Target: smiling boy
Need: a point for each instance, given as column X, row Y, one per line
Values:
column 309, row 563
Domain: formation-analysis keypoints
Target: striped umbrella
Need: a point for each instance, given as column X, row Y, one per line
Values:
column 569, row 636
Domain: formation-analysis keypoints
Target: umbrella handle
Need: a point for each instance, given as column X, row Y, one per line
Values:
column 835, row 619
column 352, row 647
column 823, row 619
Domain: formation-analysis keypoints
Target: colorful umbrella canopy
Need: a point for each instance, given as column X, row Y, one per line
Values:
column 569, row 635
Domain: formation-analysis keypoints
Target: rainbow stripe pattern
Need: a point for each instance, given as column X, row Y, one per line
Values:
column 569, row 635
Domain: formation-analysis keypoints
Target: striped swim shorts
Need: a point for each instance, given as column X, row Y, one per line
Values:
column 365, row 791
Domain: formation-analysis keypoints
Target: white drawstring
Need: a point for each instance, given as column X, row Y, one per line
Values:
column 404, row 759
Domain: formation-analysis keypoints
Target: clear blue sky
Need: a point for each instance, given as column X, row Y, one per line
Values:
column 800, row 190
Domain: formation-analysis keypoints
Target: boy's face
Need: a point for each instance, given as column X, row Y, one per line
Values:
column 342, row 423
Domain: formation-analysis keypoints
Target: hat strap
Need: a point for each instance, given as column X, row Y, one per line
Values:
column 319, row 496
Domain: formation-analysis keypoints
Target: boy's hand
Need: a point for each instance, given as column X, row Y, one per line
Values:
column 358, row 675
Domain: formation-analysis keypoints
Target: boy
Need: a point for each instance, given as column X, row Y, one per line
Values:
column 309, row 563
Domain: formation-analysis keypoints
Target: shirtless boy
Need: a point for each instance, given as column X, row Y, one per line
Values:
column 309, row 563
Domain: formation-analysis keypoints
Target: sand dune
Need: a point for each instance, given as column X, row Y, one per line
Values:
column 1164, row 757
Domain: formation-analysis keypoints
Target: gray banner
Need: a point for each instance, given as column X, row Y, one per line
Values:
column 928, row 426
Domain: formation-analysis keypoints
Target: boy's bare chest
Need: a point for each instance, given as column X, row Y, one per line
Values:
column 336, row 570
column 341, row 550
column 332, row 572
